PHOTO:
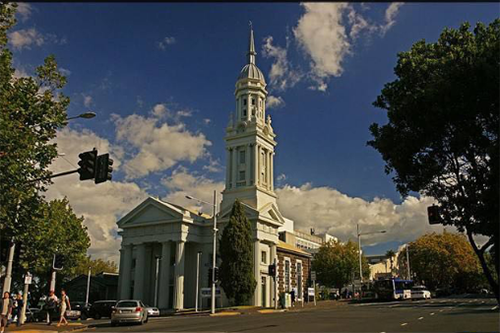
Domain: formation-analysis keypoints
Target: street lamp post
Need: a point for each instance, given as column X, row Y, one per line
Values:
column 214, row 250
column 359, row 247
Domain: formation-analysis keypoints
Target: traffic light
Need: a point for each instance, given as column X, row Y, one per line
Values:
column 4, row 250
column 210, row 276
column 433, row 214
column 272, row 270
column 20, row 250
column 87, row 164
column 103, row 168
column 58, row 262
column 216, row 274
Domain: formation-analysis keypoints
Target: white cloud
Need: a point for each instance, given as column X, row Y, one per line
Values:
column 390, row 16
column 282, row 75
column 165, row 42
column 322, row 36
column 101, row 204
column 274, row 102
column 213, row 165
column 328, row 210
column 160, row 145
column 87, row 100
column 24, row 11
column 182, row 183
column 25, row 38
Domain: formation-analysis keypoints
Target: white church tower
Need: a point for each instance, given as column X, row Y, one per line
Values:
column 250, row 141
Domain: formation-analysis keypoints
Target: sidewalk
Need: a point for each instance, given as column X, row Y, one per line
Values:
column 43, row 327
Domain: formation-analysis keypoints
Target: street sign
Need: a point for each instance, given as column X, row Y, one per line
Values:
column 310, row 292
column 28, row 279
column 207, row 292
column 313, row 275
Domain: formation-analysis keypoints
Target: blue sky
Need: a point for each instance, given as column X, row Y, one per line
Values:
column 126, row 59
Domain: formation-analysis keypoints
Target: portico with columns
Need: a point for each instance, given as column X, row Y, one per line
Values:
column 161, row 233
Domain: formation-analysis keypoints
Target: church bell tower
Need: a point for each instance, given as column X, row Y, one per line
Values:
column 250, row 140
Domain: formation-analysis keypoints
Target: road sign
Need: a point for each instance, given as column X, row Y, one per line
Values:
column 310, row 291
column 28, row 279
column 207, row 292
column 313, row 275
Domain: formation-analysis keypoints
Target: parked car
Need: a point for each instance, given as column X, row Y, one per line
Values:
column 31, row 314
column 83, row 308
column 41, row 315
column 420, row 292
column 101, row 309
column 153, row 311
column 129, row 311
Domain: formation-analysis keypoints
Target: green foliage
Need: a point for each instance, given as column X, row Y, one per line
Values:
column 97, row 266
column 444, row 260
column 442, row 135
column 236, row 251
column 336, row 264
column 33, row 109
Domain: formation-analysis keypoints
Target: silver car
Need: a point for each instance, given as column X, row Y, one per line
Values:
column 153, row 311
column 129, row 311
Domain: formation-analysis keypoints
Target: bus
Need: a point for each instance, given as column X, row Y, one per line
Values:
column 393, row 289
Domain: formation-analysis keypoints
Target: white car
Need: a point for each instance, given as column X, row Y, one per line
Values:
column 420, row 292
column 152, row 311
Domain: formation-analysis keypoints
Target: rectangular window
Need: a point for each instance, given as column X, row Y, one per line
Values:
column 253, row 101
column 287, row 275
column 263, row 257
column 242, row 156
column 299, row 280
column 244, row 101
column 242, row 176
column 244, row 112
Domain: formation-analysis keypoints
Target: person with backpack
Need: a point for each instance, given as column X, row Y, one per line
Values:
column 51, row 306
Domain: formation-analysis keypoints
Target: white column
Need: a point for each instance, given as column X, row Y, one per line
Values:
column 247, row 164
column 139, row 277
column 125, row 271
column 256, row 255
column 234, row 166
column 271, row 170
column 164, row 293
column 256, row 164
column 179, row 276
column 228, row 168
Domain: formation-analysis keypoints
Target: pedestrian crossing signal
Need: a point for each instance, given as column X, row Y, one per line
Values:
column 272, row 270
column 58, row 262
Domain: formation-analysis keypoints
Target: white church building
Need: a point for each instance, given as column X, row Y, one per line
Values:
column 161, row 239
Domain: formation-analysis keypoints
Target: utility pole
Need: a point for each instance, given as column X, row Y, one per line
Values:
column 197, row 280
column 360, row 262
column 8, row 274
column 88, row 287
column 54, row 275
column 214, row 250
column 275, row 286
column 408, row 260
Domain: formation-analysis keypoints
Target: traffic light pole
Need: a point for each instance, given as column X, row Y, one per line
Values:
column 55, row 175
column 25, row 299
column 214, row 250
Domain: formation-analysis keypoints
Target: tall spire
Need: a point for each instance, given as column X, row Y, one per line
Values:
column 251, row 48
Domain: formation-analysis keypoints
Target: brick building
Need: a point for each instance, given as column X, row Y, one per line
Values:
column 294, row 267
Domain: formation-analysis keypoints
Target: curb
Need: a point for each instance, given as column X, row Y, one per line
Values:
column 272, row 311
column 224, row 314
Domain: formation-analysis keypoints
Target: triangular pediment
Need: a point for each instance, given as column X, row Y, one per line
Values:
column 268, row 212
column 272, row 212
column 250, row 212
column 151, row 210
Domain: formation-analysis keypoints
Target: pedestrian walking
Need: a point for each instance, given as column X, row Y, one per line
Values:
column 292, row 295
column 51, row 306
column 65, row 304
column 19, row 308
column 6, row 310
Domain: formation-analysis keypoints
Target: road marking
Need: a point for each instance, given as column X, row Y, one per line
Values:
column 404, row 324
column 432, row 313
column 495, row 307
column 441, row 310
column 420, row 318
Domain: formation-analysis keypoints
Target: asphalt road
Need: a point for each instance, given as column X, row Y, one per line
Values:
column 436, row 315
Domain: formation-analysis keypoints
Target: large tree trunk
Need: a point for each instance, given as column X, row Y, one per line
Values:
column 480, row 254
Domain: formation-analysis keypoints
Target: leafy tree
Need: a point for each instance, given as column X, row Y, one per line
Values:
column 444, row 260
column 442, row 135
column 97, row 266
column 33, row 109
column 337, row 263
column 56, row 230
column 236, row 251
column 390, row 254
